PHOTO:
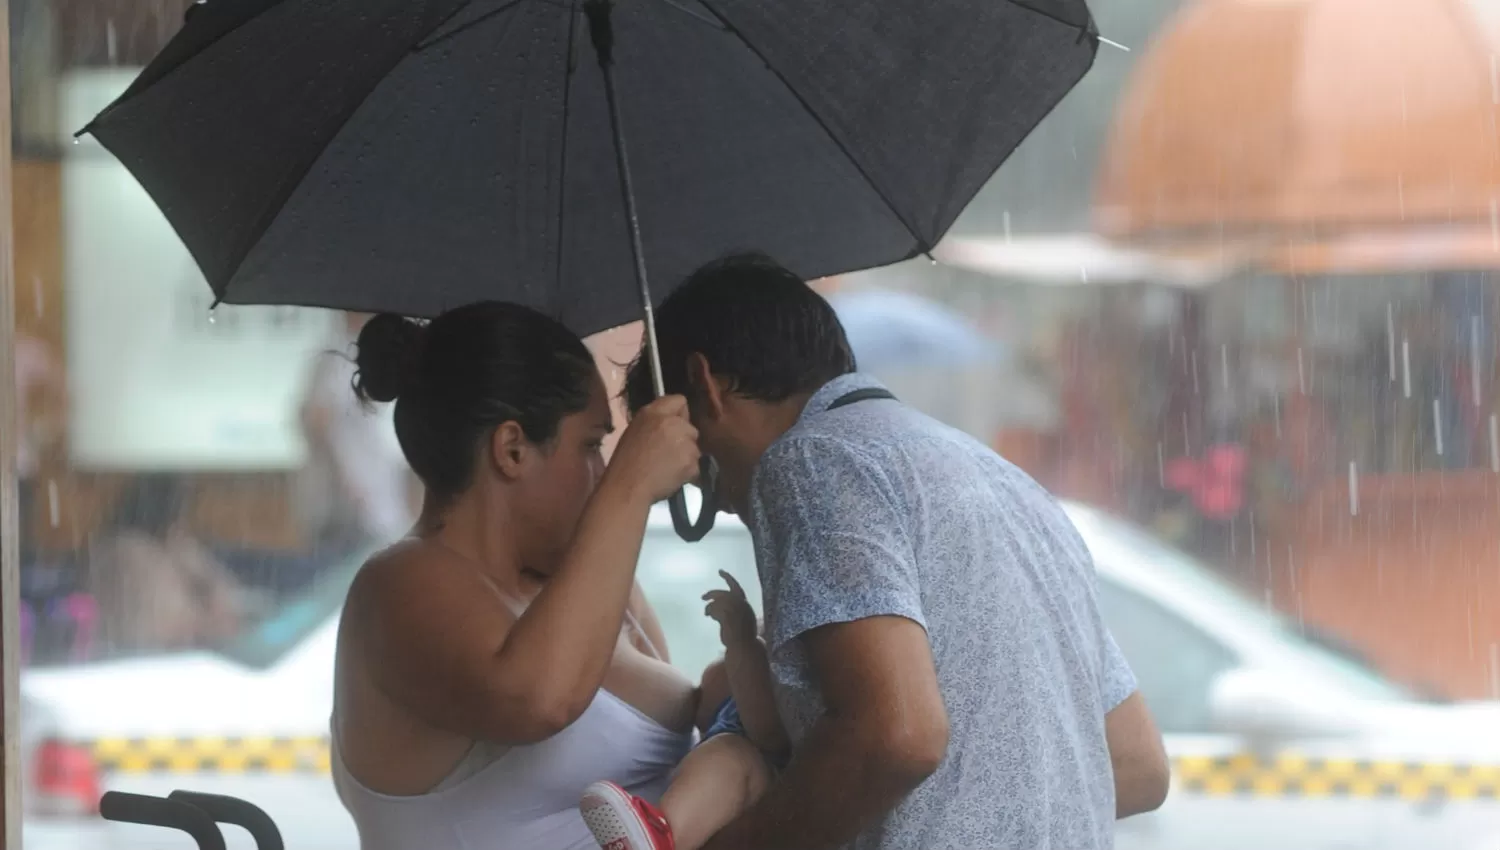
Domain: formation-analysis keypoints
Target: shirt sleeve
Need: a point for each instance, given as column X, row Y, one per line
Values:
column 834, row 539
column 1117, row 680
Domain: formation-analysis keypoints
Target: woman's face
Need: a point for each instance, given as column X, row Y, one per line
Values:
column 553, row 497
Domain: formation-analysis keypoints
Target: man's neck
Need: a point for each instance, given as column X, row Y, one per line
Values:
column 771, row 421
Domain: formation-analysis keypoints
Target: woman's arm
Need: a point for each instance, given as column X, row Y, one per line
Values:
column 451, row 653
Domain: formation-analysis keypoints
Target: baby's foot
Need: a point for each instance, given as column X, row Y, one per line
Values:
column 620, row 820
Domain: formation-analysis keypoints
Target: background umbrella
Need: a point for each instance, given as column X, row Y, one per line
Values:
column 938, row 362
column 414, row 155
column 897, row 330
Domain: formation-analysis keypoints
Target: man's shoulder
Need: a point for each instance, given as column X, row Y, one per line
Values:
column 815, row 457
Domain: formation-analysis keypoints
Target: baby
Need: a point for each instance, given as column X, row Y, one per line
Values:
column 731, row 766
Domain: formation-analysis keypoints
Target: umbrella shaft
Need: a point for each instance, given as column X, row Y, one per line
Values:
column 602, row 32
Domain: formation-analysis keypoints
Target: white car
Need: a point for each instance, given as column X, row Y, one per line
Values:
column 1279, row 742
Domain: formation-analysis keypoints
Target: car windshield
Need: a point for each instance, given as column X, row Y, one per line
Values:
column 672, row 573
column 1332, row 660
column 268, row 640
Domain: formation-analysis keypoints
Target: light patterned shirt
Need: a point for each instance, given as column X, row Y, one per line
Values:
column 874, row 509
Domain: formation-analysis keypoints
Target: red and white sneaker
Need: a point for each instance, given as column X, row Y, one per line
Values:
column 620, row 820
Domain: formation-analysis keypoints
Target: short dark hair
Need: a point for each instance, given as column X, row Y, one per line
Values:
column 758, row 324
column 456, row 379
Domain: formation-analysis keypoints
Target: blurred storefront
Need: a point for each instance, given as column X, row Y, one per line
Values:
column 1334, row 429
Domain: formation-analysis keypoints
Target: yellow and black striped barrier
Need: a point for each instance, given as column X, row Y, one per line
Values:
column 1296, row 776
column 212, row 755
column 1230, row 776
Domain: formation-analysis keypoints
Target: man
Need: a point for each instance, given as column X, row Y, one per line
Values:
column 937, row 650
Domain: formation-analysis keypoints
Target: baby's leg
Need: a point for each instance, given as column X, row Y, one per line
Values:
column 719, row 779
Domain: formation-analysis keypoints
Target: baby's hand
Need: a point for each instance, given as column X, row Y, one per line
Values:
column 732, row 611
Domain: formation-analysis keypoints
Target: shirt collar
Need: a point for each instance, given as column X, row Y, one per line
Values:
column 834, row 389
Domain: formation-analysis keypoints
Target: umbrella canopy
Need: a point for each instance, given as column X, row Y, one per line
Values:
column 1305, row 117
column 896, row 330
column 414, row 155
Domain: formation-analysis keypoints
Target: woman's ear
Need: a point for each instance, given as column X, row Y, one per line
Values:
column 509, row 450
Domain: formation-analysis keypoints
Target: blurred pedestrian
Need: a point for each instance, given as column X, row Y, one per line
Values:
column 155, row 584
column 356, row 489
column 38, row 379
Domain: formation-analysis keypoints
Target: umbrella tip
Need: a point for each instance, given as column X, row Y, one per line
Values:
column 1115, row 44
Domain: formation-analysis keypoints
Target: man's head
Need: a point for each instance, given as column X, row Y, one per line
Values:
column 747, row 341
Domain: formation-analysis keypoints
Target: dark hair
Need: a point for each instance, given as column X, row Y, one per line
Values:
column 759, row 325
column 457, row 378
column 152, row 502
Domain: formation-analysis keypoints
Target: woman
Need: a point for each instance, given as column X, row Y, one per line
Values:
column 499, row 660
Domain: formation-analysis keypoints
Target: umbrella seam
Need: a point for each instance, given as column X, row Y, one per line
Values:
column 558, row 303
column 424, row 44
column 284, row 192
column 1087, row 27
column 923, row 245
column 716, row 24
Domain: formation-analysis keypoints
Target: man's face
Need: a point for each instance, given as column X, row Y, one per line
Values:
column 723, row 438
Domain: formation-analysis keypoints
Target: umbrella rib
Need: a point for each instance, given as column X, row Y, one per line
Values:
column 430, row 40
column 971, row 131
column 559, row 303
column 130, row 90
column 716, row 23
column 923, row 245
column 1086, row 29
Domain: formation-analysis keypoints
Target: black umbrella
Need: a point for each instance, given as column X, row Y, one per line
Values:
column 409, row 156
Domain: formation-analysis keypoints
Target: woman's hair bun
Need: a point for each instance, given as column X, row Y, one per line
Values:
column 387, row 353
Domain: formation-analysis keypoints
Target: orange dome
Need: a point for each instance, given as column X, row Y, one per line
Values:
column 1307, row 116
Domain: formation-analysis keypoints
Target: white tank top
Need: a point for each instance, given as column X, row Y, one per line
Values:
column 521, row 798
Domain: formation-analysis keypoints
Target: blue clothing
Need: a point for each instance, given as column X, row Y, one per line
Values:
column 726, row 721
column 874, row 509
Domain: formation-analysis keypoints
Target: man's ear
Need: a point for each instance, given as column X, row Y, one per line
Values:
column 509, row 450
column 706, row 392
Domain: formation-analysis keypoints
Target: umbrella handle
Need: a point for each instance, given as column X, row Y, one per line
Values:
column 687, row 528
column 232, row 810
column 156, row 811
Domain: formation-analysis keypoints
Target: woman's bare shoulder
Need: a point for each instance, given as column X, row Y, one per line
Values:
column 413, row 575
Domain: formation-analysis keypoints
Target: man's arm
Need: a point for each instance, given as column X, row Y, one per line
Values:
column 884, row 731
column 1142, row 773
column 1136, row 752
